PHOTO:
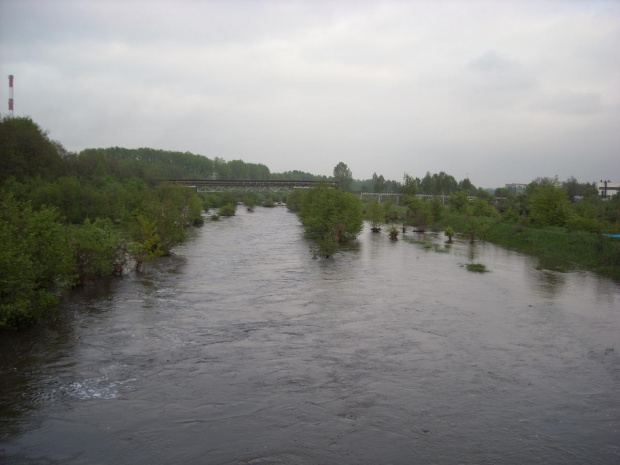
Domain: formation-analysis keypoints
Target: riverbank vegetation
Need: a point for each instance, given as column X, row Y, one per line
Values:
column 563, row 221
column 67, row 219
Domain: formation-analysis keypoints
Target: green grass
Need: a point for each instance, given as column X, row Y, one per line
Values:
column 581, row 248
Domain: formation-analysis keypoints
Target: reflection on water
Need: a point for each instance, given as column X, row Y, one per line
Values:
column 243, row 349
column 549, row 283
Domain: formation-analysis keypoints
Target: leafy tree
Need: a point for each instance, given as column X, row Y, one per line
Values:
column 466, row 185
column 504, row 192
column 294, row 199
column 147, row 243
column 437, row 208
column 411, row 186
column 459, row 201
column 420, row 212
column 376, row 215
column 98, row 250
column 482, row 208
column 249, row 201
column 379, row 183
column 172, row 209
column 549, row 206
column 330, row 215
column 343, row 176
column 27, row 152
column 35, row 262
column 449, row 232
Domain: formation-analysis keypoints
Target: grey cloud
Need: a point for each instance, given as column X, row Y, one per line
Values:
column 383, row 86
column 570, row 103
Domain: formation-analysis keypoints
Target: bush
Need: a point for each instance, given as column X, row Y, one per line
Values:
column 376, row 216
column 227, row 210
column 449, row 232
column 36, row 262
column 147, row 244
column 476, row 267
column 330, row 214
column 98, row 250
column 549, row 206
column 294, row 199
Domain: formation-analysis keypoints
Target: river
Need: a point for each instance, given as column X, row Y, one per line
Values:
column 243, row 349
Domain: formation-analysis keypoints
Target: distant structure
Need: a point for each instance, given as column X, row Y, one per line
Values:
column 11, row 95
column 516, row 188
column 607, row 189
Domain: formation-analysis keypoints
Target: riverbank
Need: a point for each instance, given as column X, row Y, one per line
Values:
column 578, row 248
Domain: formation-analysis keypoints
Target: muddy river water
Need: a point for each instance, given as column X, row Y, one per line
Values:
column 243, row 349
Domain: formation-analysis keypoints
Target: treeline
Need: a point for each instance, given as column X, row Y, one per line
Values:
column 154, row 164
column 66, row 219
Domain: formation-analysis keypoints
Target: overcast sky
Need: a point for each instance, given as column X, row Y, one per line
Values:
column 500, row 91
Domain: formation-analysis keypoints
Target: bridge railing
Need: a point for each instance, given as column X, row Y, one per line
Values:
column 223, row 185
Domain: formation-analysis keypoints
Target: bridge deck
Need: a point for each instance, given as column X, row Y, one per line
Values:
column 222, row 185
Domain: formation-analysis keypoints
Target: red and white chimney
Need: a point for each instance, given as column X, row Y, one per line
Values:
column 11, row 95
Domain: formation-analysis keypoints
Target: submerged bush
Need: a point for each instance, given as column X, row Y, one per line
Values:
column 330, row 215
column 476, row 267
column 227, row 210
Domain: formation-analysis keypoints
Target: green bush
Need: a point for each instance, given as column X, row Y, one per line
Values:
column 329, row 213
column 98, row 250
column 294, row 199
column 227, row 210
column 147, row 244
column 36, row 262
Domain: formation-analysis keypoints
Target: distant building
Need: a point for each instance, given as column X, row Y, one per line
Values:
column 516, row 188
column 607, row 189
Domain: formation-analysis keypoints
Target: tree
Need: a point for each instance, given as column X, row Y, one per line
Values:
column 35, row 262
column 410, row 185
column 147, row 243
column 466, row 185
column 393, row 232
column 343, row 176
column 421, row 212
column 549, row 206
column 458, row 201
column 26, row 151
column 449, row 232
column 379, row 183
column 98, row 250
column 249, row 201
column 376, row 216
column 331, row 217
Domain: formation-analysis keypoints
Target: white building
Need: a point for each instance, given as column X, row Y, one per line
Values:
column 607, row 189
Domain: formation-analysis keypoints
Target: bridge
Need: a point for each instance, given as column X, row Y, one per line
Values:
column 397, row 197
column 211, row 186
column 214, row 186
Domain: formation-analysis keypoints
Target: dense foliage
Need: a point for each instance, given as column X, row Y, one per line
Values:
column 331, row 217
column 67, row 219
column 35, row 262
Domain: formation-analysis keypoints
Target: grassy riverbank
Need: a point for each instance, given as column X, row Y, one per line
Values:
column 581, row 248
